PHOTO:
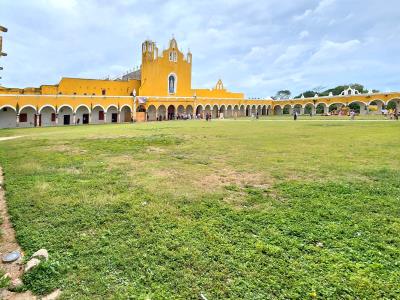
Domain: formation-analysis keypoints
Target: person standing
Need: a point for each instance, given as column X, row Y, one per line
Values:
column 295, row 115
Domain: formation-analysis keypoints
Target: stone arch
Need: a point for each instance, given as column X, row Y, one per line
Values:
column 242, row 110
column 63, row 106
column 199, row 111
column 171, row 112
column 222, row 111
column 229, row 111
column 151, row 113
column 321, row 109
column 8, row 116
column 358, row 107
column 394, row 104
column 335, row 108
column 215, row 111
column 309, row 109
column 111, row 114
column 47, row 105
column 98, row 114
column 82, row 113
column 180, row 111
column 80, row 106
column 298, row 108
column 47, row 115
column 248, row 111
column 376, row 106
column 236, row 111
column 27, row 116
column 189, row 111
column 162, row 113
column 264, row 110
column 141, row 108
column 8, row 106
column 253, row 110
column 207, row 109
column 259, row 110
column 125, row 114
column 287, row 109
column 278, row 110
column 269, row 109
column 65, row 114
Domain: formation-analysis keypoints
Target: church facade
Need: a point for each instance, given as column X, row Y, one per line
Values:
column 160, row 90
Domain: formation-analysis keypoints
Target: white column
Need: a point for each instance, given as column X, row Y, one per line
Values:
column 17, row 122
column 56, row 119
column 134, row 108
column 302, row 110
column 37, row 116
column 313, row 110
column 73, row 118
column 105, row 117
column 119, row 116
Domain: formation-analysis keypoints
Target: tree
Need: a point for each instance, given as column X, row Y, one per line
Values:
column 307, row 94
column 283, row 94
column 335, row 91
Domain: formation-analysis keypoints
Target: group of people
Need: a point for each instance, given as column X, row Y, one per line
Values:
column 393, row 114
column 184, row 117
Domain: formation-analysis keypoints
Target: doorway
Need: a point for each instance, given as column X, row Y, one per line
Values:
column 85, row 119
column 67, row 119
column 114, row 118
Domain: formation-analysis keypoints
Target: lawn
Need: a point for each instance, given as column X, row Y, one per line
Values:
column 230, row 209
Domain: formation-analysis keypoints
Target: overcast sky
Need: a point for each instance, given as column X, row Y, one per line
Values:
column 256, row 47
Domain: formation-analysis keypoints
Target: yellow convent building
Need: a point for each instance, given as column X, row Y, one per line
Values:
column 160, row 90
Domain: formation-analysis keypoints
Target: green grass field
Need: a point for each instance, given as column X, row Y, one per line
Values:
column 230, row 209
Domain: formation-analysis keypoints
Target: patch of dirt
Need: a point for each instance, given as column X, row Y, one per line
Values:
column 169, row 173
column 6, row 138
column 153, row 149
column 225, row 176
column 8, row 244
column 7, row 295
column 8, row 241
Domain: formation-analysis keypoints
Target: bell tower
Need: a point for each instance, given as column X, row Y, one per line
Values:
column 149, row 51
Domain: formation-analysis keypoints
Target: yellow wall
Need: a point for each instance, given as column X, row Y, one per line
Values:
column 156, row 70
column 69, row 86
column 217, row 94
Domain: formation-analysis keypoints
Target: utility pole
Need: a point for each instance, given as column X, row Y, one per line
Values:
column 2, row 29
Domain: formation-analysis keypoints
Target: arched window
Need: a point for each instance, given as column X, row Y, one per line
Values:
column 172, row 84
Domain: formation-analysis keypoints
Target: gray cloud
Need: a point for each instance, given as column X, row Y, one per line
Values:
column 256, row 47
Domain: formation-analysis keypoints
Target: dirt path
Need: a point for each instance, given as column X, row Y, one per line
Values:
column 6, row 138
column 8, row 243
